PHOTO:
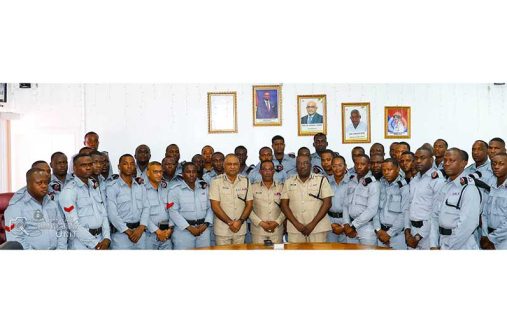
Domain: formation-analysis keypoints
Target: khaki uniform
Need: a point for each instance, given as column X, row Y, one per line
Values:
column 232, row 198
column 304, row 205
column 266, row 207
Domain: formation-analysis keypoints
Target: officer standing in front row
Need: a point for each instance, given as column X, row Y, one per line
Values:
column 190, row 210
column 160, row 228
column 127, row 207
column 494, row 215
column 33, row 219
column 457, row 207
column 338, row 184
column 306, row 199
column 84, row 208
column 393, row 208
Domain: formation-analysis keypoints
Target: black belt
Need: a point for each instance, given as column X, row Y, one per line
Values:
column 195, row 222
column 336, row 215
column 416, row 224
column 491, row 230
column 385, row 227
column 163, row 226
column 444, row 231
column 95, row 232
column 129, row 225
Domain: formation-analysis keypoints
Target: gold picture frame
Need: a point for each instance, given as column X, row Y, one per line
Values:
column 313, row 119
column 356, row 126
column 222, row 112
column 267, row 111
column 397, row 123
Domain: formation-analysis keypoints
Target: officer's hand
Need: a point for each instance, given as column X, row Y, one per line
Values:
column 169, row 232
column 383, row 236
column 193, row 230
column 273, row 225
column 161, row 235
column 352, row 234
column 130, row 234
column 299, row 226
column 103, row 244
column 349, row 231
column 235, row 226
column 486, row 244
column 138, row 233
column 409, row 239
column 337, row 229
column 309, row 228
column 265, row 225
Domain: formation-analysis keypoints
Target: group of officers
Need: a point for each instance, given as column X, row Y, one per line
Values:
column 425, row 199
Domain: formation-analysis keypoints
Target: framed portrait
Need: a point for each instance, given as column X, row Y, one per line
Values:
column 312, row 114
column 397, row 122
column 3, row 92
column 356, row 123
column 267, row 105
column 222, row 115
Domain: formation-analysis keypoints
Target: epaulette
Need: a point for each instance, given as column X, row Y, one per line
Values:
column 279, row 168
column 351, row 177
column 163, row 184
column 18, row 195
column 203, row 184
column 250, row 168
column 71, row 184
column 316, row 169
column 401, row 183
column 368, row 180
column 435, row 174
column 291, row 155
column 52, row 195
column 56, row 187
column 112, row 177
column 139, row 180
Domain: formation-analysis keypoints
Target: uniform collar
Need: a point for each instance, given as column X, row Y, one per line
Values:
column 238, row 178
column 79, row 182
column 428, row 172
column 312, row 175
column 457, row 181
column 275, row 184
column 28, row 197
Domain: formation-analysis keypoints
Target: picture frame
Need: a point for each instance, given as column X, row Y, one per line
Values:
column 397, row 123
column 222, row 112
column 356, row 127
column 312, row 114
column 3, row 92
column 267, row 105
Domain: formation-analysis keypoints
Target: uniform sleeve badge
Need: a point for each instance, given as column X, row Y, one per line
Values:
column 68, row 209
column 203, row 184
column 169, row 205
column 316, row 169
column 163, row 184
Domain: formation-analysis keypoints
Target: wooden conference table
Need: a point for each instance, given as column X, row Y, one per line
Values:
column 301, row 246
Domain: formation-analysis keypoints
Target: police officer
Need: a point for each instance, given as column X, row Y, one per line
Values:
column 494, row 215
column 242, row 153
column 169, row 166
column 363, row 195
column 198, row 160
column 231, row 201
column 60, row 177
column 481, row 162
column 33, row 219
column 495, row 146
column 217, row 160
column 107, row 170
column 376, row 161
column 99, row 159
column 407, row 165
column 142, row 156
column 326, row 160
column 394, row 201
column 377, row 148
column 265, row 154
column 160, row 227
column 423, row 189
column 42, row 165
column 174, row 151
column 320, row 144
column 284, row 163
column 339, row 187
column 266, row 216
column 84, row 208
column 206, row 152
column 356, row 151
column 439, row 148
column 91, row 142
column 190, row 211
column 127, row 207
column 306, row 199
column 457, row 207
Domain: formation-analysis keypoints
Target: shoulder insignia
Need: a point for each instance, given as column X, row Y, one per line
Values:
column 367, row 180
column 163, row 184
column 401, row 183
column 56, row 187
column 139, row 180
column 113, row 177
column 351, row 177
column 250, row 168
column 203, row 184
column 435, row 175
column 292, row 155
column 316, row 169
column 169, row 205
column 279, row 167
column 51, row 195
column 68, row 209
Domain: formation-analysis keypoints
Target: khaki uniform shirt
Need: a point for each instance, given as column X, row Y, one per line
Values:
column 303, row 202
column 266, row 207
column 232, row 198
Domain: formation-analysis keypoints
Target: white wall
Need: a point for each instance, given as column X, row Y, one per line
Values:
column 56, row 116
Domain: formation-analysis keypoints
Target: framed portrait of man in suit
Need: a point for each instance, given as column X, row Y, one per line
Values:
column 356, row 123
column 312, row 114
column 267, row 105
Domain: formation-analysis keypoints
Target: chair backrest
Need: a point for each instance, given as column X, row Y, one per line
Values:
column 4, row 202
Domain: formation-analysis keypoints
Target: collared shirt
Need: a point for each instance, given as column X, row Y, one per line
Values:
column 316, row 160
column 256, row 177
column 232, row 197
column 142, row 174
column 485, row 169
column 127, row 204
column 157, row 201
column 286, row 165
column 56, row 186
column 360, row 129
column 457, row 207
column 84, row 209
column 494, row 214
column 266, row 207
column 305, row 200
column 423, row 190
column 393, row 205
column 363, row 197
column 207, row 177
column 339, row 197
column 189, row 204
column 246, row 171
column 35, row 226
